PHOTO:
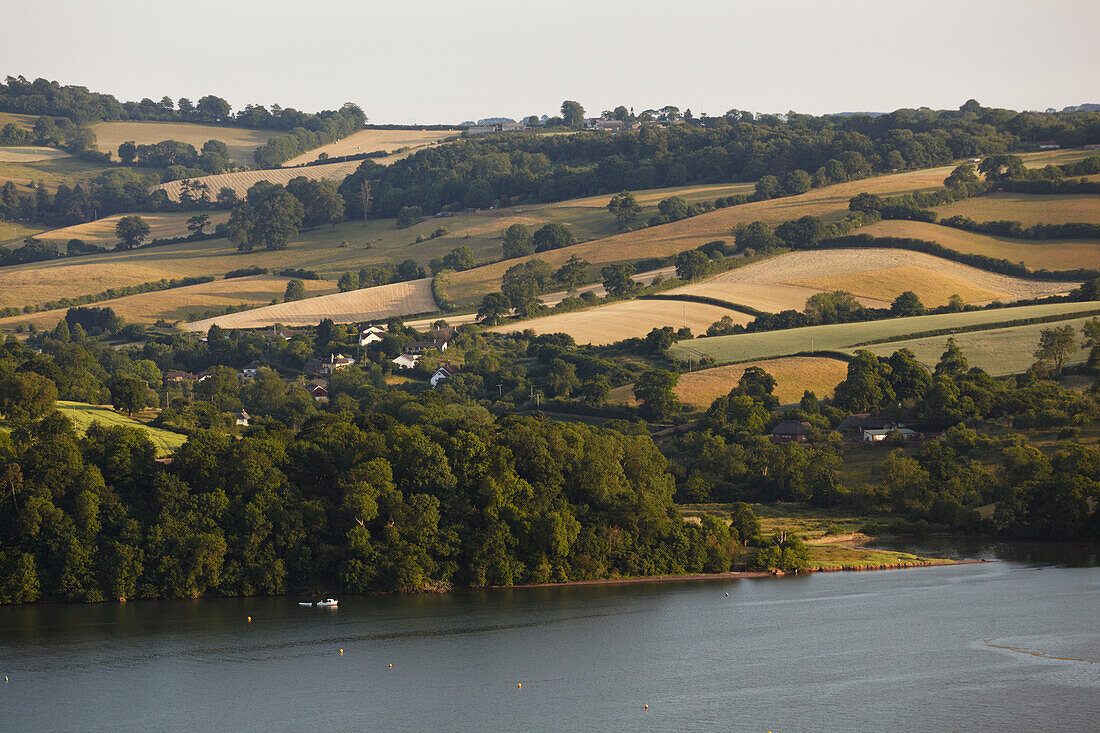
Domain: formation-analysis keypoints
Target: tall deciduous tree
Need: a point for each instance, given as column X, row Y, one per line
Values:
column 131, row 231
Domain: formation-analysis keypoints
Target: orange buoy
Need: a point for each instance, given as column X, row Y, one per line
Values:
column 341, row 651
column 519, row 685
column 249, row 619
column 647, row 707
column 391, row 666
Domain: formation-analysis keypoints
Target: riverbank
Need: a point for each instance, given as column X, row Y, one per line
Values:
column 745, row 574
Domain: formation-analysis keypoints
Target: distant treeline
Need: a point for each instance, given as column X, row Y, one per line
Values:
column 43, row 97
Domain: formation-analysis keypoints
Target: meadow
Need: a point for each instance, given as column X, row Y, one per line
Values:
column 183, row 304
column 241, row 141
column 626, row 319
column 83, row 415
column 14, row 231
column 369, row 141
column 1052, row 254
column 29, row 154
column 845, row 336
column 875, row 276
column 368, row 304
column 49, row 171
column 101, row 232
column 998, row 351
column 241, row 181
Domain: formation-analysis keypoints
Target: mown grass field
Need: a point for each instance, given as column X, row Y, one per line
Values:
column 369, row 141
column 626, row 319
column 240, row 140
column 24, row 121
column 183, row 304
column 83, row 415
column 1050, row 254
column 241, row 181
column 368, row 304
column 101, row 232
column 29, row 154
column 999, row 351
column 876, row 276
column 843, row 336
column 1028, row 209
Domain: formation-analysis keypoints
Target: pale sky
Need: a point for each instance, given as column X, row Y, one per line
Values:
column 426, row 61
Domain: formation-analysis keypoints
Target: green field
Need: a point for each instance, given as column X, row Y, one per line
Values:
column 51, row 172
column 844, row 336
column 15, row 231
column 83, row 415
column 998, row 351
column 1028, row 209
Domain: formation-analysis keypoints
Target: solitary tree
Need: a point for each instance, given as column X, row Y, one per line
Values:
column 128, row 393
column 654, row 389
column 131, row 231
column 907, row 304
column 1054, row 347
column 517, row 241
column 572, row 113
column 295, row 290
column 572, row 273
column 624, row 207
column 348, row 281
column 617, row 279
column 494, row 306
column 197, row 223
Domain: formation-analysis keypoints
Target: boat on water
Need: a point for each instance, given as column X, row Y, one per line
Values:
column 327, row 603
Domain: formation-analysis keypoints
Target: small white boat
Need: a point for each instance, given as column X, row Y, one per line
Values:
column 328, row 602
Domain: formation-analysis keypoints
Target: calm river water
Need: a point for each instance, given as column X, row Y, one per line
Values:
column 1010, row 645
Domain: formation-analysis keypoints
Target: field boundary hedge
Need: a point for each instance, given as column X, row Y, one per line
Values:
column 704, row 299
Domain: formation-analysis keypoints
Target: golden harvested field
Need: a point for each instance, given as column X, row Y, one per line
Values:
column 102, row 231
column 241, row 141
column 779, row 283
column 794, row 375
column 933, row 288
column 1028, row 209
column 369, row 141
column 29, row 285
column 182, row 304
column 241, row 181
column 669, row 239
column 617, row 321
column 368, row 304
column 24, row 121
column 1037, row 254
column 652, row 196
column 29, row 154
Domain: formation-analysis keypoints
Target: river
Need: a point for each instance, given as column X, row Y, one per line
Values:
column 1006, row 645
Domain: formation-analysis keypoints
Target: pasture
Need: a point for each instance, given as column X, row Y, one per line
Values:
column 184, row 304
column 998, row 351
column 83, row 415
column 875, row 276
column 101, row 232
column 15, row 231
column 240, row 140
column 24, row 121
column 49, row 171
column 845, row 336
column 29, row 154
column 1035, row 254
column 241, row 181
column 1028, row 209
column 369, row 141
column 368, row 304
column 626, row 319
